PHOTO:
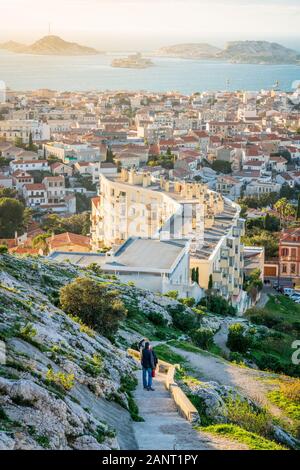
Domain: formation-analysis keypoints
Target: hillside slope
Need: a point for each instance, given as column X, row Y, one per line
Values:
column 49, row 45
column 77, row 404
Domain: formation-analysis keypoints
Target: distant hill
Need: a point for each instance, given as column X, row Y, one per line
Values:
column 258, row 52
column 49, row 45
column 189, row 51
column 262, row 52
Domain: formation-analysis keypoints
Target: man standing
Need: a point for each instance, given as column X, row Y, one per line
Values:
column 148, row 365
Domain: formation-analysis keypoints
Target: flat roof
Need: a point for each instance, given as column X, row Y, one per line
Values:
column 144, row 254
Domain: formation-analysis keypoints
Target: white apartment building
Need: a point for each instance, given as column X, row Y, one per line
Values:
column 134, row 204
column 29, row 165
column 35, row 195
column 19, row 128
column 55, row 186
column 71, row 153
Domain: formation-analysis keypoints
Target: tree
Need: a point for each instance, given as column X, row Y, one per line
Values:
column 40, row 242
column 30, row 143
column 94, row 303
column 210, row 282
column 110, row 156
column 11, row 217
column 203, row 337
column 217, row 304
column 77, row 223
column 266, row 239
column 284, row 209
column 8, row 192
column 222, row 166
column 237, row 339
column 19, row 142
column 298, row 209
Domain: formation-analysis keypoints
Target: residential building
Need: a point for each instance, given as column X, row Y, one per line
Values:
column 134, row 204
column 289, row 253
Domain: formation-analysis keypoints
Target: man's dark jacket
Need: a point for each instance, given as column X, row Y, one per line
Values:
column 147, row 359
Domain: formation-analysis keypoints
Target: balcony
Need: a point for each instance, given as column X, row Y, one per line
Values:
column 224, row 263
column 217, row 276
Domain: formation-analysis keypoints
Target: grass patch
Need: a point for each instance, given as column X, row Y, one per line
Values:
column 234, row 432
column 164, row 353
column 291, row 408
column 128, row 385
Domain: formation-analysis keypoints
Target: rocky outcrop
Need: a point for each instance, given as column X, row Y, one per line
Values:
column 80, row 404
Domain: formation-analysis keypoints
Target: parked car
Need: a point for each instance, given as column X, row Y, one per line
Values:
column 288, row 291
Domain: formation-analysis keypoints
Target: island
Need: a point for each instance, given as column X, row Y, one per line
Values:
column 134, row 61
column 49, row 45
column 241, row 52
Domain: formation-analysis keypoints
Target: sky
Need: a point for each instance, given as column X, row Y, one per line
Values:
column 147, row 24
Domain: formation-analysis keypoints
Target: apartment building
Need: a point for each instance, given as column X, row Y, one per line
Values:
column 21, row 128
column 135, row 204
column 289, row 253
column 55, row 186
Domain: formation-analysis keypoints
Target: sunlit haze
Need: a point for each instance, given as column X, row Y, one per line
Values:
column 136, row 24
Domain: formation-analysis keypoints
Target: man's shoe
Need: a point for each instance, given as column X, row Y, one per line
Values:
column 152, row 389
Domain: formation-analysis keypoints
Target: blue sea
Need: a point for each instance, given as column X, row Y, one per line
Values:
column 29, row 72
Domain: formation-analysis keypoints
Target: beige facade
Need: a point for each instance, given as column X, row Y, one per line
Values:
column 134, row 204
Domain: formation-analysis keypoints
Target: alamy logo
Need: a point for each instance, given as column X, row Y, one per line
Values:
column 296, row 354
column 2, row 353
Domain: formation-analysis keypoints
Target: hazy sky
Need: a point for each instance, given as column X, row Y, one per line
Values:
column 137, row 23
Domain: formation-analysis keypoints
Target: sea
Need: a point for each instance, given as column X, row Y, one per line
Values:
column 82, row 73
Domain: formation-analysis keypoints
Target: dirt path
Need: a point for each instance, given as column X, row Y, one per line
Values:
column 250, row 382
column 165, row 429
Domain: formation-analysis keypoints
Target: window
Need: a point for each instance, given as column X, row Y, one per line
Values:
column 293, row 269
column 284, row 252
column 284, row 268
column 293, row 253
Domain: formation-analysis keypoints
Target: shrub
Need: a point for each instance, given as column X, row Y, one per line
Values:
column 93, row 365
column 157, row 318
column 65, row 381
column 3, row 249
column 183, row 320
column 203, row 337
column 96, row 305
column 83, row 328
column 291, row 391
column 218, row 305
column 188, row 302
column 173, row 294
column 256, row 420
column 237, row 340
column 267, row 362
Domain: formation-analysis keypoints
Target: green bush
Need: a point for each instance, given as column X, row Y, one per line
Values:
column 188, row 302
column 157, row 319
column 97, row 306
column 203, row 337
column 237, row 340
column 183, row 320
column 218, row 305
column 3, row 249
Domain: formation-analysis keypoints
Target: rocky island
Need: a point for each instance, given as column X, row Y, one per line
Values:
column 49, row 45
column 134, row 61
column 240, row 52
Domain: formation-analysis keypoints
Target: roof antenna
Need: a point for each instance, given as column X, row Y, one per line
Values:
column 49, row 29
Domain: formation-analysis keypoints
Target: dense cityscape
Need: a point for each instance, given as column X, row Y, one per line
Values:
column 149, row 230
